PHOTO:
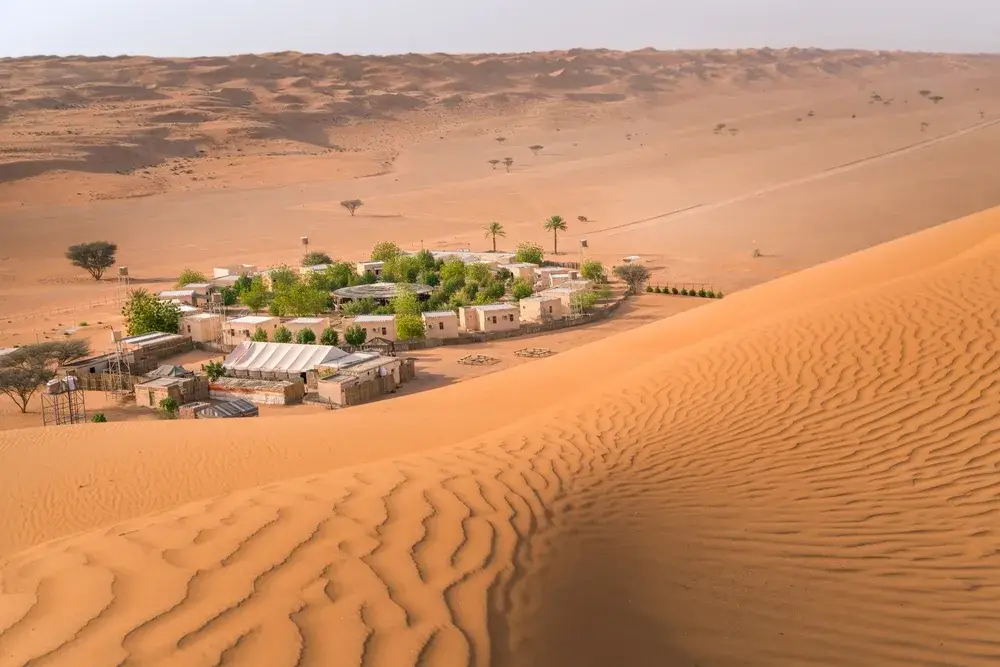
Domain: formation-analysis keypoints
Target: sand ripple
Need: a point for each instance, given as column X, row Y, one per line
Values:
column 819, row 488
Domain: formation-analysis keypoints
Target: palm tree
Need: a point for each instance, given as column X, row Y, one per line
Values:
column 495, row 229
column 555, row 224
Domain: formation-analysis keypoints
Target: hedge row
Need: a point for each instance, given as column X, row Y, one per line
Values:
column 704, row 294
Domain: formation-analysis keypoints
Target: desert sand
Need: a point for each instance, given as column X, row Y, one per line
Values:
column 804, row 473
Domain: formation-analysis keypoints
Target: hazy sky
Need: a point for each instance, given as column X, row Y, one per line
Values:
column 214, row 27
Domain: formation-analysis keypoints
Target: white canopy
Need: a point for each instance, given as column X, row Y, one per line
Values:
column 280, row 357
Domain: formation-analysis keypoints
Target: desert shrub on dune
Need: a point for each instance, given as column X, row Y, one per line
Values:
column 684, row 291
column 352, row 205
column 702, row 293
column 675, row 290
column 99, row 418
column 536, row 149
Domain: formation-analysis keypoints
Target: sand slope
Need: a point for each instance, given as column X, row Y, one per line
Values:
column 804, row 473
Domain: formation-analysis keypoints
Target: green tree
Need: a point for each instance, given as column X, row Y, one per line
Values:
column 409, row 327
column 593, row 270
column 508, row 162
column 242, row 284
column 365, row 306
column 400, row 269
column 555, row 224
column 282, row 335
column 329, row 336
column 229, row 296
column 299, row 300
column 521, row 289
column 95, row 257
column 369, row 278
column 478, row 272
column 214, row 370
column 426, row 260
column 144, row 313
column 259, row 335
column 453, row 269
column 305, row 337
column 633, row 275
column 99, row 418
column 255, row 296
column 169, row 407
column 406, row 302
column 26, row 368
column 352, row 205
column 283, row 277
column 316, row 258
column 495, row 229
column 583, row 301
column 189, row 276
column 385, row 250
column 529, row 252
column 355, row 335
column 490, row 292
column 429, row 278
column 336, row 276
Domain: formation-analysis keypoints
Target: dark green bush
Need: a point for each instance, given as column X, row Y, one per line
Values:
column 675, row 291
column 99, row 418
column 684, row 291
column 710, row 294
column 718, row 295
column 658, row 290
column 649, row 288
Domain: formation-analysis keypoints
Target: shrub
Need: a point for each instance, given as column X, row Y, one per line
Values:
column 684, row 291
column 282, row 335
column 329, row 336
column 701, row 293
column 633, row 275
column 99, row 418
column 189, row 276
column 529, row 252
column 144, row 313
column 593, row 270
column 352, row 205
column 355, row 335
column 658, row 290
column 584, row 301
column 365, row 306
column 718, row 295
column 521, row 289
column 95, row 257
column 169, row 407
column 649, row 288
column 305, row 337
column 314, row 258
column 710, row 294
column 675, row 290
column 214, row 370
column 259, row 336
column 82, row 324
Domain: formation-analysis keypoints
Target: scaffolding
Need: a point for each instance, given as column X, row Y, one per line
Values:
column 124, row 285
column 118, row 377
column 217, row 307
column 63, row 403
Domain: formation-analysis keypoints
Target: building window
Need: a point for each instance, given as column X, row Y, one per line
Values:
column 383, row 331
column 441, row 326
column 494, row 319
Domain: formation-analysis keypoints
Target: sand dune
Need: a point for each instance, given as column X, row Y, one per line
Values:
column 804, row 473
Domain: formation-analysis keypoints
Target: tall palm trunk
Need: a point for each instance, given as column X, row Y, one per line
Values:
column 494, row 242
column 555, row 241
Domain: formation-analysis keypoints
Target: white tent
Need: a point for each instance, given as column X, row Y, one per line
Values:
column 280, row 357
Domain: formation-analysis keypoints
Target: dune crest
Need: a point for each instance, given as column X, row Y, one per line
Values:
column 814, row 487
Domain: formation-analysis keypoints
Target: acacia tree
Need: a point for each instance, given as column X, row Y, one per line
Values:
column 500, row 140
column 633, row 275
column 555, row 224
column 25, row 369
column 536, row 148
column 494, row 163
column 352, row 205
column 95, row 257
column 495, row 229
column 507, row 162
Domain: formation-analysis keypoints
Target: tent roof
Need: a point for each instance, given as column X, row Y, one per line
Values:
column 280, row 357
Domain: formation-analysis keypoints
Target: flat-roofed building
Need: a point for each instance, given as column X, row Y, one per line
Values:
column 440, row 324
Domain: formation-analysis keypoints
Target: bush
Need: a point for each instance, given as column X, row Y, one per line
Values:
column 144, row 313
column 189, row 276
column 633, row 275
column 593, row 270
column 702, row 293
column 316, row 258
column 259, row 336
column 521, row 289
column 169, row 407
column 365, row 306
column 329, row 336
column 305, row 337
column 718, row 295
column 355, row 335
column 658, row 290
column 255, row 295
column 675, row 291
column 710, row 294
column 95, row 257
column 409, row 327
column 649, row 288
column 406, row 302
column 282, row 335
column 684, row 291
column 584, row 301
column 99, row 418
column 82, row 324
column 214, row 370
column 352, row 205
column 529, row 252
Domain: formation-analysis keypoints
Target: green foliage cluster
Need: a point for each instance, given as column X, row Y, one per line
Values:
column 315, row 258
column 144, row 313
column 329, row 337
column 27, row 367
column 95, row 257
column 99, row 418
column 409, row 327
column 529, row 252
column 593, row 270
column 169, row 407
column 305, row 337
column 189, row 276
column 259, row 335
column 214, row 370
column 703, row 293
column 282, row 335
column 521, row 289
column 355, row 335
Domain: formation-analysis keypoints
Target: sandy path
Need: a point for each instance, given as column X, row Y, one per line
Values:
column 812, row 486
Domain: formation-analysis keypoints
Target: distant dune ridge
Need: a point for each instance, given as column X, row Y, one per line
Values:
column 806, row 473
column 118, row 115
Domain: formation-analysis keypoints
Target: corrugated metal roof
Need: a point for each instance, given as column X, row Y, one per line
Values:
column 540, row 298
column 440, row 313
column 252, row 319
column 146, row 339
column 496, row 306
column 280, row 357
column 171, row 293
column 239, row 407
